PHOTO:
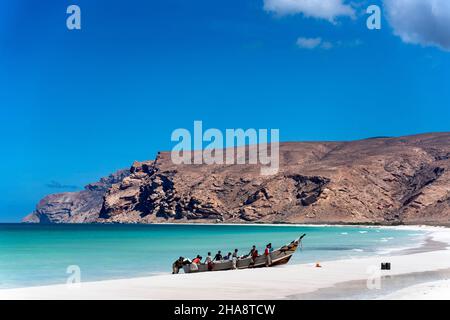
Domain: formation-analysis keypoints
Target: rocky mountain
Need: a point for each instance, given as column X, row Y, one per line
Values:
column 378, row 180
column 75, row 207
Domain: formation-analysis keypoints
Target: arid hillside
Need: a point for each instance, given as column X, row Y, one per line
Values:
column 379, row 180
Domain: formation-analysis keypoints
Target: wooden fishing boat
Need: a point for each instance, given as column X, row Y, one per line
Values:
column 279, row 256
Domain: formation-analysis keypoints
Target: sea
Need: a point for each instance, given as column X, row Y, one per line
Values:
column 37, row 254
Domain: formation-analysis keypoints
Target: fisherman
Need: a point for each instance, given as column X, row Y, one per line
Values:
column 209, row 262
column 234, row 259
column 254, row 255
column 218, row 256
column 177, row 265
column 228, row 256
column 267, row 253
column 252, row 250
column 250, row 254
column 208, row 258
column 197, row 260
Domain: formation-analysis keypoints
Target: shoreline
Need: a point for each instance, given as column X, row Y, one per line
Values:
column 423, row 226
column 412, row 268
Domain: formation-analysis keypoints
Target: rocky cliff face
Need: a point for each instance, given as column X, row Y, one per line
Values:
column 383, row 180
column 75, row 207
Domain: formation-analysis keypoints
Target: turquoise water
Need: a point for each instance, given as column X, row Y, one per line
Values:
column 40, row 254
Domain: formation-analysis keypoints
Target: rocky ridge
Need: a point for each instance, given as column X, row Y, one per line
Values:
column 380, row 180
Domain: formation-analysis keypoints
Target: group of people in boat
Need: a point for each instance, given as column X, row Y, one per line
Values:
column 218, row 258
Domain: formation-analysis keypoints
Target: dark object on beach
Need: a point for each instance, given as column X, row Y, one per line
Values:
column 385, row 266
column 279, row 256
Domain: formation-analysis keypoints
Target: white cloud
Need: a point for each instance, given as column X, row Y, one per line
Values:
column 309, row 43
column 327, row 45
column 312, row 43
column 424, row 22
column 319, row 43
column 322, row 9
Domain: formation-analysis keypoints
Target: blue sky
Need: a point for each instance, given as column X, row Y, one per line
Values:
column 77, row 105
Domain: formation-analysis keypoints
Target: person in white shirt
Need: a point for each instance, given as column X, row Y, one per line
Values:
column 234, row 258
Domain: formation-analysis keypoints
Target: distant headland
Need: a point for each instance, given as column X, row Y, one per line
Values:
column 401, row 180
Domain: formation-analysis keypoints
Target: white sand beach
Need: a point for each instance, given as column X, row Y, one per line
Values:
column 420, row 273
column 436, row 290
